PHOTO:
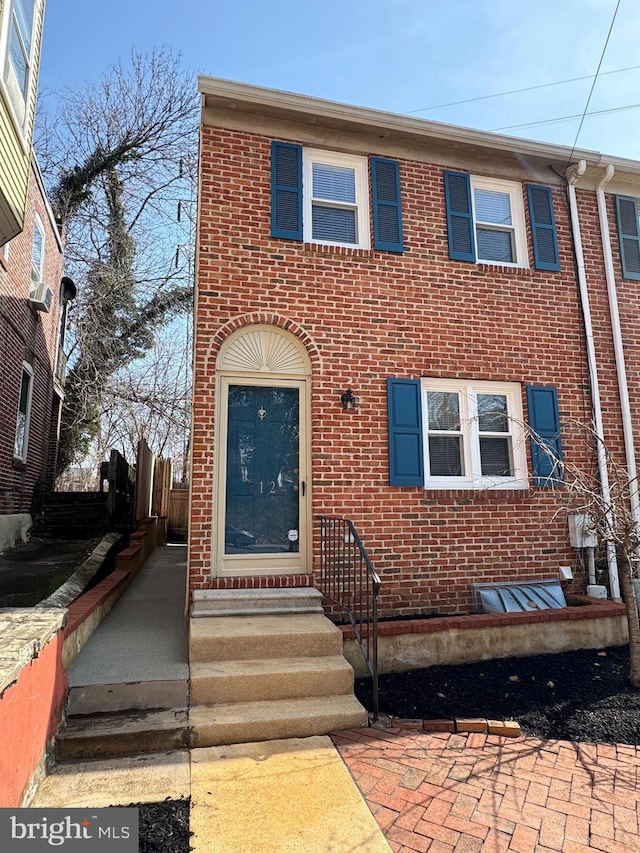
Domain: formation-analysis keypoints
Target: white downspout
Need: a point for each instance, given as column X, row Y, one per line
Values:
column 573, row 175
column 623, row 385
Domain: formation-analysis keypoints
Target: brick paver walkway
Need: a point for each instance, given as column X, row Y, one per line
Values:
column 448, row 793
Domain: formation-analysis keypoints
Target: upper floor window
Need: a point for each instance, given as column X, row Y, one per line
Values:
column 17, row 54
column 628, row 223
column 37, row 251
column 323, row 197
column 498, row 215
column 24, row 414
column 486, row 222
column 336, row 210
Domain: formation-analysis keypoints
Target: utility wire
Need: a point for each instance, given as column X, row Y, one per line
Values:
column 566, row 118
column 520, row 91
column 595, row 80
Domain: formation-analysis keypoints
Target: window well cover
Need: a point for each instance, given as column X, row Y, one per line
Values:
column 519, row 596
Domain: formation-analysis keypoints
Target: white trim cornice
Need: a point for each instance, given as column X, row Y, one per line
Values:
column 244, row 98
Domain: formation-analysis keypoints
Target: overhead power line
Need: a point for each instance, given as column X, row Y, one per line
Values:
column 565, row 118
column 520, row 91
column 595, row 78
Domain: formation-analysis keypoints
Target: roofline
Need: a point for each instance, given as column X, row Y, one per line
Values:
column 43, row 191
column 244, row 95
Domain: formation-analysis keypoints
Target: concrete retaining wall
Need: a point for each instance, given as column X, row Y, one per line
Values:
column 416, row 644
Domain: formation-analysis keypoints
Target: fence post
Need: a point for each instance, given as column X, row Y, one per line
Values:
column 144, row 481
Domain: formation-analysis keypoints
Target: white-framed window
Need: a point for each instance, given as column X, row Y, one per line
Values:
column 473, row 435
column 17, row 49
column 37, row 251
column 24, row 414
column 4, row 250
column 336, row 199
column 498, row 215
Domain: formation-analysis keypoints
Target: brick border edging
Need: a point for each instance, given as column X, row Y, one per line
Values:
column 457, row 725
column 593, row 608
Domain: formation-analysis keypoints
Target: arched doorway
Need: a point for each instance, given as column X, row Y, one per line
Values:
column 262, row 515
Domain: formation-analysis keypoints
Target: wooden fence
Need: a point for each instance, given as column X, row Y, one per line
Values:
column 155, row 497
column 178, row 526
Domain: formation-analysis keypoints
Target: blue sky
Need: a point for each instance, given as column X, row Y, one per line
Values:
column 405, row 56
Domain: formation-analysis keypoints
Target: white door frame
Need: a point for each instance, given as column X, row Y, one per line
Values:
column 268, row 356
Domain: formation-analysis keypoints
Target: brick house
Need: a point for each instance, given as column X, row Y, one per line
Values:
column 33, row 297
column 387, row 309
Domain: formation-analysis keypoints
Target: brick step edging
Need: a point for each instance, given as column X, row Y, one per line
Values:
column 457, row 725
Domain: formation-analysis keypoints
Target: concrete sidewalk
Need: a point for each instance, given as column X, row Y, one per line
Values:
column 138, row 656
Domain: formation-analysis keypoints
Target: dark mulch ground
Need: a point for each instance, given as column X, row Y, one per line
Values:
column 578, row 696
column 164, row 827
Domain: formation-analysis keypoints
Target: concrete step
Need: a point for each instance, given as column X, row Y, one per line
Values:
column 224, row 682
column 150, row 777
column 128, row 696
column 260, row 637
column 250, row 602
column 245, row 722
column 122, row 734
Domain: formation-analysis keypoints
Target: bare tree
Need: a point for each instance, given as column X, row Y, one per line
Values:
column 151, row 398
column 610, row 514
column 120, row 159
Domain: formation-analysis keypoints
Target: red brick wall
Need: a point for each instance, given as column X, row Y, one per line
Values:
column 628, row 296
column 27, row 335
column 373, row 315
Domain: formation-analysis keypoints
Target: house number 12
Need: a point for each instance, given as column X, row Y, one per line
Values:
column 265, row 488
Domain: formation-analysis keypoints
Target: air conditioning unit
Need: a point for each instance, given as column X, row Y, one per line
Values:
column 41, row 297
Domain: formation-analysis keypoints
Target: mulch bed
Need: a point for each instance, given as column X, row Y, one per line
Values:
column 578, row 696
column 164, row 827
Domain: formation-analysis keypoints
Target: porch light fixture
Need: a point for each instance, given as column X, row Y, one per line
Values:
column 348, row 400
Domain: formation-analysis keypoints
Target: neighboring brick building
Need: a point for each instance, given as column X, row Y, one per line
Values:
column 30, row 280
column 32, row 294
column 432, row 270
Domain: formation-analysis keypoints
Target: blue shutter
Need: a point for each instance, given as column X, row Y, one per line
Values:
column 387, row 210
column 543, row 228
column 406, row 457
column 460, row 227
column 286, row 190
column 628, row 235
column 546, row 446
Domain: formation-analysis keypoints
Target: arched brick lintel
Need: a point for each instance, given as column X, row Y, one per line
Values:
column 263, row 318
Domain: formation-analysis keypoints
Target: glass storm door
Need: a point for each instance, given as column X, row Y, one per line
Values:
column 263, row 486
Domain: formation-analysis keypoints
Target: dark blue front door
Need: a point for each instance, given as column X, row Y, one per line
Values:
column 263, row 464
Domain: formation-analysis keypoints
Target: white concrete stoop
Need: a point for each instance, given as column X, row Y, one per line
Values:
column 266, row 665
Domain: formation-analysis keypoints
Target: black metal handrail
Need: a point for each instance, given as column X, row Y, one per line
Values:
column 348, row 579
